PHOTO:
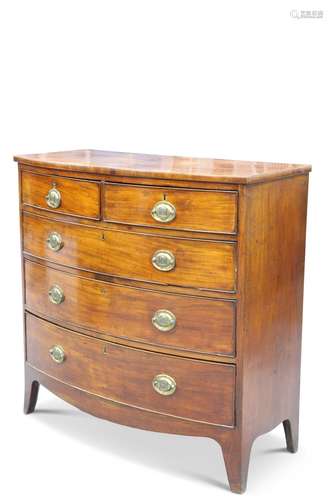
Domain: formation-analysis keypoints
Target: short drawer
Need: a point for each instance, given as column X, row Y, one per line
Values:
column 62, row 195
column 186, row 209
column 194, row 390
column 205, row 326
column 171, row 261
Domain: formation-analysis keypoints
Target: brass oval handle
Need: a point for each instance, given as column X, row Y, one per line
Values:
column 56, row 294
column 164, row 260
column 54, row 241
column 164, row 384
column 163, row 211
column 53, row 198
column 164, row 320
column 57, row 353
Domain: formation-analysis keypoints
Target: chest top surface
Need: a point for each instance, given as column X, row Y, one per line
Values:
column 163, row 167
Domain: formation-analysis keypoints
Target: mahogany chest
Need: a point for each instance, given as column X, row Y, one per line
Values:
column 165, row 293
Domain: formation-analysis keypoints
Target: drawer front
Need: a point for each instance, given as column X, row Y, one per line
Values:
column 199, row 264
column 163, row 319
column 59, row 194
column 196, row 210
column 194, row 390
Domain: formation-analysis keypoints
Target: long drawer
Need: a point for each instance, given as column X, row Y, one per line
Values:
column 187, row 209
column 194, row 390
column 174, row 261
column 162, row 319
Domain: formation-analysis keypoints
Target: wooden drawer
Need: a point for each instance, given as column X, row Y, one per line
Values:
column 76, row 197
column 187, row 209
column 201, row 325
column 199, row 263
column 204, row 390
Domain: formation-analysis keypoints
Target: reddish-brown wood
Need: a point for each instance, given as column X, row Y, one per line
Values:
column 126, row 312
column 134, row 181
column 31, row 389
column 199, row 264
column 273, row 295
column 130, row 204
column 79, row 198
column 205, row 391
column 142, row 285
column 163, row 167
column 118, row 226
column 236, row 449
column 104, row 268
column 271, row 270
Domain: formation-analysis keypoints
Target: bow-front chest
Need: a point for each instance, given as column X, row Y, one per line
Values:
column 165, row 293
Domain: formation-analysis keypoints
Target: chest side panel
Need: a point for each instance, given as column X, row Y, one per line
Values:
column 272, row 274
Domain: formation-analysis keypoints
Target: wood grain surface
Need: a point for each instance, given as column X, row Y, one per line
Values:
column 236, row 291
column 196, row 210
column 199, row 264
column 205, row 391
column 127, row 312
column 163, row 167
column 79, row 198
column 273, row 298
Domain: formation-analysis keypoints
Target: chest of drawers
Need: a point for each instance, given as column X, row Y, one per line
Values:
column 165, row 293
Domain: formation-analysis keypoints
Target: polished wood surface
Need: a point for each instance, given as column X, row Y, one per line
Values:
column 199, row 264
column 143, row 180
column 236, row 292
column 270, row 315
column 205, row 391
column 127, row 312
column 196, row 210
column 133, row 228
column 273, row 296
column 163, row 167
column 79, row 198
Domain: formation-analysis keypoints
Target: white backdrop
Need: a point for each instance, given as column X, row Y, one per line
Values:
column 235, row 80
